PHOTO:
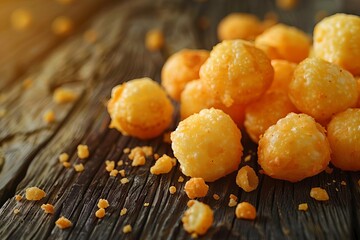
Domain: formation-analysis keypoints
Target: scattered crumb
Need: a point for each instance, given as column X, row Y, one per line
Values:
column 83, row 151
column 247, row 158
column 16, row 211
column 146, row 204
column 138, row 161
column 232, row 196
column 18, row 197
column 172, row 189
column 113, row 173
column 329, row 170
column 181, row 179
column 122, row 173
column 49, row 116
column 123, row 212
column 103, row 203
column 64, row 95
column 66, row 164
column 343, row 183
column 303, row 207
column 162, row 165
column 194, row 235
column 48, row 208
column 156, row 156
column 334, row 181
column 27, row 83
column 110, row 165
column 319, row 194
column 232, row 203
column 198, row 218
column 120, row 163
column 216, row 196
column 137, row 155
column 126, row 150
column 90, row 36
column 247, row 179
column 62, row 26
column 127, row 228
column 245, row 210
column 21, row 19
column 64, row 157
column 124, row 180
column 154, row 40
column 336, row 189
column 34, row 194
column 196, row 187
column 63, row 223
column 79, row 167
column 148, row 150
column 166, row 137
column 100, row 213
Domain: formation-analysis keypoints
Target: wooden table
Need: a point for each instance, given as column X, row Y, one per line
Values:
column 29, row 148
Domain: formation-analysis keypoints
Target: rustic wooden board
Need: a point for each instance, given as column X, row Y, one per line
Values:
column 29, row 148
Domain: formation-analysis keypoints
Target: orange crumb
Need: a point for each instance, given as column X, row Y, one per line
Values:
column 49, row 116
column 319, row 194
column 138, row 161
column 90, row 36
column 124, row 180
column 329, row 170
column 126, row 150
column 64, row 95
column 18, row 197
column 156, row 156
column 100, row 213
column 122, row 172
column 110, row 165
column 137, row 155
column 343, row 183
column 123, row 212
column 194, row 235
column 34, row 194
column 172, row 189
column 120, row 163
column 62, row 26
column 232, row 202
column 234, row 197
column 166, row 137
column 127, row 228
column 146, row 204
column 336, row 189
column 216, row 197
column 66, row 164
column 247, row 179
column 198, row 218
column 114, row 173
column 147, row 150
column 79, row 167
column 181, row 179
column 21, row 19
column 64, row 157
column 245, row 210
column 27, row 83
column 303, row 207
column 103, row 203
column 16, row 211
column 196, row 187
column 48, row 208
column 154, row 40
column 83, row 151
column 162, row 165
column 247, row 158
column 63, row 223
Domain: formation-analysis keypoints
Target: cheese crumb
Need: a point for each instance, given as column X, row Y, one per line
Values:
column 196, row 187
column 103, row 203
column 126, row 150
column 34, row 194
column 120, row 163
column 154, row 40
column 110, row 165
column 303, row 207
column 162, row 165
column 64, row 95
column 146, row 204
column 247, row 158
column 156, row 156
column 82, row 151
column 79, row 167
column 16, row 211
column 181, row 179
column 49, row 116
column 123, row 212
column 48, row 208
column 319, row 194
column 100, row 213
column 113, row 173
column 66, row 164
column 343, row 183
column 245, row 210
column 198, row 218
column 124, row 180
column 63, row 223
column 137, row 155
column 122, row 173
column 232, row 200
column 172, row 189
column 216, row 197
column 18, row 197
column 148, row 150
column 64, row 157
column 127, row 229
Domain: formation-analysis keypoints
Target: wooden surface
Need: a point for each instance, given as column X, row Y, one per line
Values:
column 29, row 148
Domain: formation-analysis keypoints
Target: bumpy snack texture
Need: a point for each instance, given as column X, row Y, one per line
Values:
column 140, row 108
column 181, row 68
column 237, row 72
column 207, row 145
column 337, row 40
column 196, row 187
column 197, row 97
column 284, row 42
column 265, row 112
column 343, row 133
column 283, row 73
column 247, row 179
column 321, row 89
column 239, row 26
column 198, row 218
column 294, row 148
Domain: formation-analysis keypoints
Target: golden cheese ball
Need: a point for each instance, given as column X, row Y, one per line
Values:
column 337, row 40
column 181, row 68
column 284, row 42
column 294, row 148
column 207, row 145
column 140, row 108
column 321, row 89
column 237, row 72
column 283, row 73
column 343, row 133
column 239, row 26
column 265, row 112
column 197, row 97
